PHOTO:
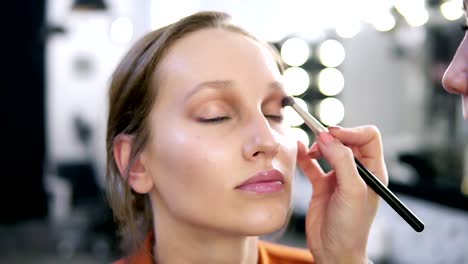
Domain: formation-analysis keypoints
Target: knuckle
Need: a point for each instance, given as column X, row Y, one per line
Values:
column 359, row 188
column 345, row 153
column 348, row 153
column 373, row 130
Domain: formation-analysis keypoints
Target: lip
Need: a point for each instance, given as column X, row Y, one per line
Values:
column 263, row 182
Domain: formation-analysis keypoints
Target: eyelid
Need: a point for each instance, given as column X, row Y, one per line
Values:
column 217, row 119
column 276, row 118
column 210, row 109
column 274, row 110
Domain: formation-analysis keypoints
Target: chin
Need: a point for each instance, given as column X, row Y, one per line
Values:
column 265, row 222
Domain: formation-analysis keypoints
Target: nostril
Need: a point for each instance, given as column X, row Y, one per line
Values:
column 453, row 88
column 448, row 84
column 256, row 153
column 455, row 79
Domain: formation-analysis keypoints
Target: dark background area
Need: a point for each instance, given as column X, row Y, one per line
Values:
column 22, row 195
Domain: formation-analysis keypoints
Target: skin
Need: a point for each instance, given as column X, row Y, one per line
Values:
column 191, row 167
column 455, row 79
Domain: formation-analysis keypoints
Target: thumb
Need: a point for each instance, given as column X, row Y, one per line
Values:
column 341, row 159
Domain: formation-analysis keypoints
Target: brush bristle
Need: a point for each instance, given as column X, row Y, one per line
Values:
column 288, row 100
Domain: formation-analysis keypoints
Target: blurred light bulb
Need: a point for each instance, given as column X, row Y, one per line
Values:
column 451, row 10
column 296, row 81
column 331, row 111
column 291, row 117
column 331, row 53
column 370, row 11
column 348, row 29
column 330, row 81
column 385, row 22
column 300, row 135
column 414, row 11
column 121, row 30
column 295, row 51
column 417, row 18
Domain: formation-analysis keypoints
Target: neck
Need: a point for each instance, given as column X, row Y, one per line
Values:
column 181, row 242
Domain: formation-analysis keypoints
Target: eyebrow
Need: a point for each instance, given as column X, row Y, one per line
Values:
column 226, row 84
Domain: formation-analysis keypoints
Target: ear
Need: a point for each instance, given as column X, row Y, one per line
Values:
column 139, row 178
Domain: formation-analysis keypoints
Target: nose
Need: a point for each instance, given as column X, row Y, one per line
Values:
column 456, row 76
column 455, row 79
column 261, row 140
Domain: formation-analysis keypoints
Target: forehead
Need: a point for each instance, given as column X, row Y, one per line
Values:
column 218, row 53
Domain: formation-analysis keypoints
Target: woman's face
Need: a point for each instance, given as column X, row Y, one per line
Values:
column 215, row 124
column 456, row 77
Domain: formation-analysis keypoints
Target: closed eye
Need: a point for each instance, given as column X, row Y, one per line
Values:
column 276, row 118
column 217, row 119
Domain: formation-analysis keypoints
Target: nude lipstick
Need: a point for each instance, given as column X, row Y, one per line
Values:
column 263, row 182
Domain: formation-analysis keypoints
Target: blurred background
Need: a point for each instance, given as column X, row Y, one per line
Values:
column 350, row 63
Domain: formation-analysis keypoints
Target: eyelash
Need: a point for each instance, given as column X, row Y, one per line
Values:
column 219, row 119
column 276, row 118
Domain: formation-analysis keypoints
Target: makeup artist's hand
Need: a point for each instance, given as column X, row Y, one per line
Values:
column 343, row 207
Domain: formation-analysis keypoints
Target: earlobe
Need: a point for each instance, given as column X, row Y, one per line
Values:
column 139, row 177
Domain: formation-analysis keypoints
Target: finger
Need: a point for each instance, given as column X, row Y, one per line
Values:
column 314, row 152
column 366, row 143
column 322, row 182
column 301, row 149
column 341, row 159
column 365, row 138
column 309, row 166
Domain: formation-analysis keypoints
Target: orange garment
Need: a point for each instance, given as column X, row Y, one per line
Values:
column 268, row 253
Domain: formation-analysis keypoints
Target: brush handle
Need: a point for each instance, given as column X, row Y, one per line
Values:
column 368, row 177
column 389, row 197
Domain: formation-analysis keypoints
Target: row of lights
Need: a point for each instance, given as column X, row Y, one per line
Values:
column 414, row 12
column 330, row 81
column 380, row 16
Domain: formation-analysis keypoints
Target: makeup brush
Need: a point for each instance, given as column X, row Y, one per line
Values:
column 370, row 179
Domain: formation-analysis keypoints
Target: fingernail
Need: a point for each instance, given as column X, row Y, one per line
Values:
column 314, row 148
column 314, row 154
column 334, row 127
column 326, row 138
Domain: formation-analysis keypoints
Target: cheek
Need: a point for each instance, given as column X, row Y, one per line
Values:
column 176, row 153
column 286, row 159
column 187, row 162
column 289, row 144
